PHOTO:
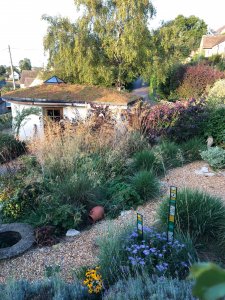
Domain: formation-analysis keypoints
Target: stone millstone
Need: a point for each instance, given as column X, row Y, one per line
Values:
column 27, row 239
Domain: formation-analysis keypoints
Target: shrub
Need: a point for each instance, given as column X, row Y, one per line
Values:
column 77, row 189
column 178, row 121
column 145, row 184
column 191, row 149
column 5, row 121
column 120, row 196
column 147, row 160
column 196, row 79
column 215, row 156
column 10, row 148
column 200, row 215
column 169, row 153
column 45, row 236
column 144, row 287
column 50, row 289
column 216, row 94
column 215, row 125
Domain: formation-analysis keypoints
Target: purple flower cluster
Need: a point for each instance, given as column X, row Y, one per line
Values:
column 156, row 253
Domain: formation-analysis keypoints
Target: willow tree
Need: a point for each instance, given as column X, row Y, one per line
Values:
column 59, row 43
column 110, row 41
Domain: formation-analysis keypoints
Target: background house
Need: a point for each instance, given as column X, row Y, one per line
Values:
column 29, row 79
column 213, row 44
column 16, row 76
column 63, row 101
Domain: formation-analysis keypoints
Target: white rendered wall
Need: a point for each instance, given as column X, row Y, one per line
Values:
column 27, row 129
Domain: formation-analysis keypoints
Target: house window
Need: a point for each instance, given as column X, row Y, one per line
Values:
column 54, row 113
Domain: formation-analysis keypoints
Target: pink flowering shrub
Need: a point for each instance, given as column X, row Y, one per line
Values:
column 178, row 121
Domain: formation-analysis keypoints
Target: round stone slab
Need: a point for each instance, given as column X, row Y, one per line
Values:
column 26, row 239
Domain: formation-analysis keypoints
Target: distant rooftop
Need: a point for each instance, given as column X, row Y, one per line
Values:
column 209, row 42
column 70, row 93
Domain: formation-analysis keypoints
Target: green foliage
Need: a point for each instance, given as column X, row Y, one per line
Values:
column 5, row 121
column 216, row 94
column 209, row 281
column 52, row 270
column 77, row 189
column 200, row 215
column 147, row 160
column 25, row 64
column 120, row 196
column 172, row 43
column 22, row 117
column 2, row 70
column 215, row 156
column 191, row 149
column 111, row 255
column 10, row 148
column 146, row 184
column 215, row 125
column 142, row 287
column 169, row 153
column 113, row 52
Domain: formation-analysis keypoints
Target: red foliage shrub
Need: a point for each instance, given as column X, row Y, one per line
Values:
column 196, row 79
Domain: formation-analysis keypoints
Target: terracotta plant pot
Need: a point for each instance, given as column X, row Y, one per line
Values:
column 97, row 213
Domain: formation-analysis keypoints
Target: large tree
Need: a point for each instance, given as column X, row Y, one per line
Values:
column 25, row 64
column 173, row 43
column 109, row 44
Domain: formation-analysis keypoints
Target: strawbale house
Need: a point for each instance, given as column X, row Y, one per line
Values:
column 212, row 45
column 58, row 100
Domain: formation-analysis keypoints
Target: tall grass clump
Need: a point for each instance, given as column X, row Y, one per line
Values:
column 191, row 149
column 169, row 153
column 198, row 214
column 148, row 161
column 10, row 148
column 146, row 184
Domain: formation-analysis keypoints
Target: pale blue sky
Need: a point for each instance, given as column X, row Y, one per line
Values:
column 22, row 28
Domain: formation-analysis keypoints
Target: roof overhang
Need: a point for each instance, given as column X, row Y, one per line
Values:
column 76, row 103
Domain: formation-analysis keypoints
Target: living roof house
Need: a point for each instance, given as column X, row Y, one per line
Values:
column 212, row 44
column 60, row 100
column 29, row 78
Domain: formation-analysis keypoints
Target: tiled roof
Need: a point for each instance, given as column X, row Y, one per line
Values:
column 65, row 93
column 27, row 74
column 210, row 41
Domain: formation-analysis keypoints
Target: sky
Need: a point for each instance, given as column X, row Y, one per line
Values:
column 21, row 26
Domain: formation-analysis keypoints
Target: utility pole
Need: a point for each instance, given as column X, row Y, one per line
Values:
column 14, row 86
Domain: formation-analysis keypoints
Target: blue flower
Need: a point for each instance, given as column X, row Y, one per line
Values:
column 146, row 252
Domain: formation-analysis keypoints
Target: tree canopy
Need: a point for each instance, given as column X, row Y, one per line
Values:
column 2, row 70
column 108, row 45
column 111, row 43
column 173, row 43
column 25, row 64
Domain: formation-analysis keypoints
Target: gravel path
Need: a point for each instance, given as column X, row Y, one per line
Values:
column 82, row 250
